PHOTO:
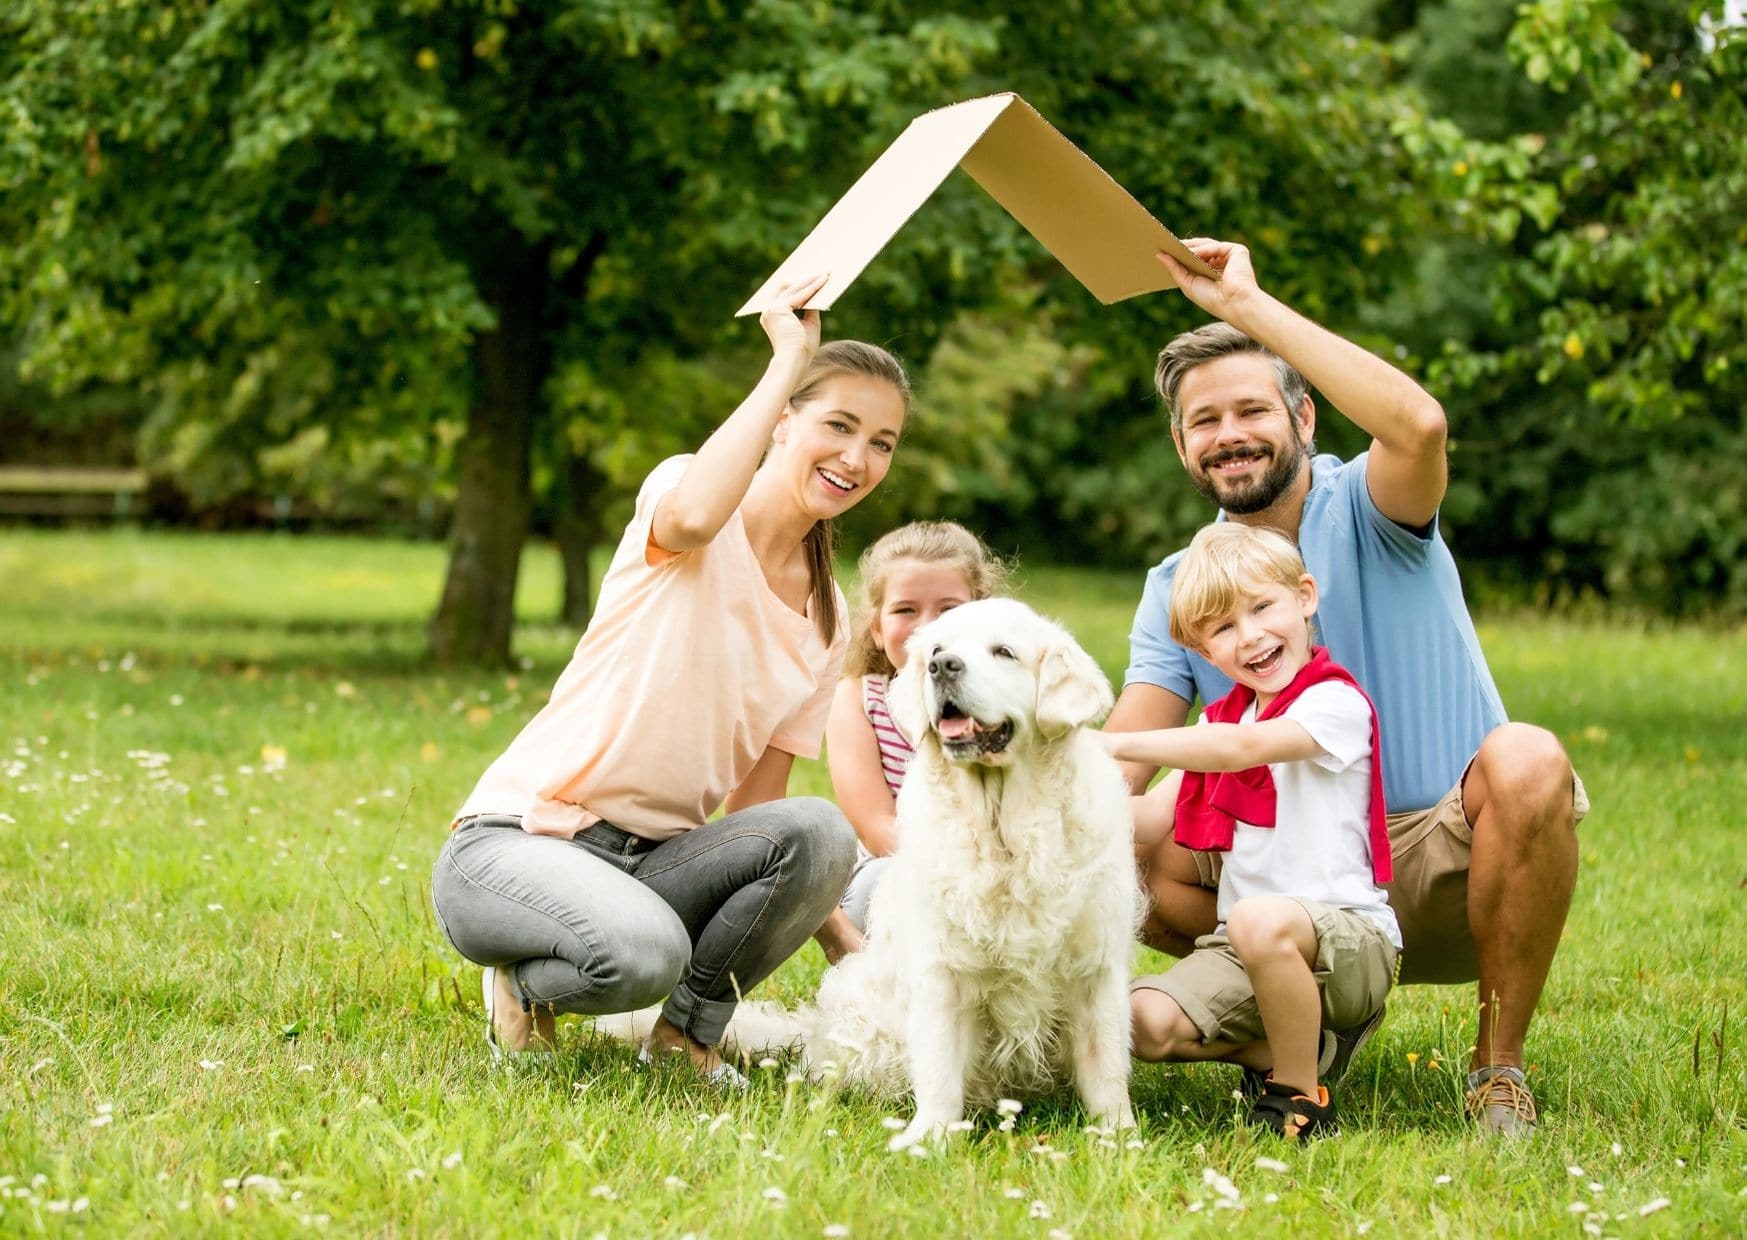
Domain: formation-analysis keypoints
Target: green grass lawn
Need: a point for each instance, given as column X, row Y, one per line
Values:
column 223, row 997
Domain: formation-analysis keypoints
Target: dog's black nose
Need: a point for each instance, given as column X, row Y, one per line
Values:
column 946, row 667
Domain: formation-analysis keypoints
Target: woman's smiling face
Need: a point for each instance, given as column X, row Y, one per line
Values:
column 840, row 441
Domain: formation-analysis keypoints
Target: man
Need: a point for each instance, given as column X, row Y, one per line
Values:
column 1483, row 811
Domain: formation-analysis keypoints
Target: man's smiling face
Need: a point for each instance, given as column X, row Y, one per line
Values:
column 1242, row 447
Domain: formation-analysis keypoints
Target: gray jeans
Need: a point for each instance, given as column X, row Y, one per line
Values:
column 863, row 879
column 609, row 922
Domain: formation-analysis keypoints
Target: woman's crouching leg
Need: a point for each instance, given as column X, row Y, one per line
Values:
column 750, row 888
column 571, row 932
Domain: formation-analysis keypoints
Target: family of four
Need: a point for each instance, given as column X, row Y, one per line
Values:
column 1320, row 623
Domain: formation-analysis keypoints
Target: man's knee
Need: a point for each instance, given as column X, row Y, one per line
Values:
column 1522, row 775
column 1177, row 910
column 1157, row 934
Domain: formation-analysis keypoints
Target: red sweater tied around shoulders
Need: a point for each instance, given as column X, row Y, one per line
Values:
column 1211, row 804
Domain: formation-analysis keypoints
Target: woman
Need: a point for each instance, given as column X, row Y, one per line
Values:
column 582, row 871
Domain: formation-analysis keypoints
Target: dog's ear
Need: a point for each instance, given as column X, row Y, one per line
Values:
column 1071, row 689
column 905, row 699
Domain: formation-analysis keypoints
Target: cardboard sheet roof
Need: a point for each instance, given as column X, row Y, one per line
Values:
column 1076, row 209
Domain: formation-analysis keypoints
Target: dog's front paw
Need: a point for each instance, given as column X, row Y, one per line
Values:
column 923, row 1129
column 1111, row 1113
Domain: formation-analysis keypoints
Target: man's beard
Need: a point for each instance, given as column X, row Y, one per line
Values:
column 1241, row 498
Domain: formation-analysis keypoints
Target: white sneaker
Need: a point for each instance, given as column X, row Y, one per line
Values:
column 724, row 1076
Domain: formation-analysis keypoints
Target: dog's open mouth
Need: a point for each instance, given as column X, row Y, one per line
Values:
column 966, row 737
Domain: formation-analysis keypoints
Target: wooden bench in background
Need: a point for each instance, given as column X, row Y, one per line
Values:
column 70, row 491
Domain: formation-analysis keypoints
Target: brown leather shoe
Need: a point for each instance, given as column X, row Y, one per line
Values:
column 1500, row 1101
column 509, row 1026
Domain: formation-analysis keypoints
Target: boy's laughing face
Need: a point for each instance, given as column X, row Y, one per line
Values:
column 1264, row 641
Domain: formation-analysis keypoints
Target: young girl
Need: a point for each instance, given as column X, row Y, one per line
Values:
column 584, row 871
column 909, row 577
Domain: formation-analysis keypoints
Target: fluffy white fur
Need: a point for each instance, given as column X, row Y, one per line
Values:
column 997, row 959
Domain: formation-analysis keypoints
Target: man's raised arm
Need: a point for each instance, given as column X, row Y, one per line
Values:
column 1407, row 472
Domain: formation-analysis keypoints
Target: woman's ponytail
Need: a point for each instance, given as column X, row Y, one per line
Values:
column 821, row 556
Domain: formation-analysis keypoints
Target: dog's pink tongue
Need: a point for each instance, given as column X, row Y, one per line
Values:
column 957, row 729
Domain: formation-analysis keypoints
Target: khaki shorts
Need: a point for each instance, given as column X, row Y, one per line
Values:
column 1355, row 966
column 1431, row 850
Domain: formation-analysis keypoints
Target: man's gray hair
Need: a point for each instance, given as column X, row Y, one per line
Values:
column 1209, row 344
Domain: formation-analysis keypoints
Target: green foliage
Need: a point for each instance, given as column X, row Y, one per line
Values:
column 1456, row 52
column 39, row 427
column 1562, row 42
column 1644, row 277
column 283, row 233
column 1606, row 393
column 320, row 263
column 191, row 223
column 274, row 220
column 1307, row 146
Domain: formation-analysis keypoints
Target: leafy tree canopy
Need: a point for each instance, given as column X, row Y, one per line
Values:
column 1608, row 379
column 495, row 245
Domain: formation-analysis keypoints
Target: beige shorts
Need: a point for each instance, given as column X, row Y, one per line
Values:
column 1431, row 850
column 1354, row 968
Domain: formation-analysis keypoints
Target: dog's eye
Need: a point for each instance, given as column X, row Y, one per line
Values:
column 1003, row 652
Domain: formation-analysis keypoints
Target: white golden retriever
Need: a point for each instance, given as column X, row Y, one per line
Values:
column 999, row 941
column 997, row 959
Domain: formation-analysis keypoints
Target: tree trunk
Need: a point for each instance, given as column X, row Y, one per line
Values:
column 578, row 532
column 475, row 619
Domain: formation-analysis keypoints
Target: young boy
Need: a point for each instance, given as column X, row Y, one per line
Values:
column 1283, row 781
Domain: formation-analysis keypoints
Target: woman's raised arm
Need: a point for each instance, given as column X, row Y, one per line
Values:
column 713, row 485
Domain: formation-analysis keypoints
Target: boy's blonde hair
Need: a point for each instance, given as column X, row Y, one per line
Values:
column 1224, row 561
column 927, row 542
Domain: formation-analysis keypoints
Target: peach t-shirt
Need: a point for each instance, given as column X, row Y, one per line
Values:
column 689, row 671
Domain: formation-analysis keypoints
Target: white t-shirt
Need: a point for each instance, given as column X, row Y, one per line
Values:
column 1319, row 847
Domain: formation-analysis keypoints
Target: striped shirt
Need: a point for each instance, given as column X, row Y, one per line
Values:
column 895, row 751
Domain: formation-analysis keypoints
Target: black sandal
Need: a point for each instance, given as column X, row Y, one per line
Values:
column 1293, row 1115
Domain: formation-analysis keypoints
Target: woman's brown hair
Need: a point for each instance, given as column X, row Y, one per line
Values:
column 839, row 357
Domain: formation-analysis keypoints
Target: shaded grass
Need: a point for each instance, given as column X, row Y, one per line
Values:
column 226, row 771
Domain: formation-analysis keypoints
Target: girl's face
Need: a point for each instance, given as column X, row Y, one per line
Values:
column 917, row 591
column 839, row 443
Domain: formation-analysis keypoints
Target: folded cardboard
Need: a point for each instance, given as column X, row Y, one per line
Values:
column 1064, row 199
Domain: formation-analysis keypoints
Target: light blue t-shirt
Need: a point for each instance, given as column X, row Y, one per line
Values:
column 1390, row 611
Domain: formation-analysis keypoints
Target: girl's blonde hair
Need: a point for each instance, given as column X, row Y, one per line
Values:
column 839, row 357
column 1225, row 561
column 927, row 542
